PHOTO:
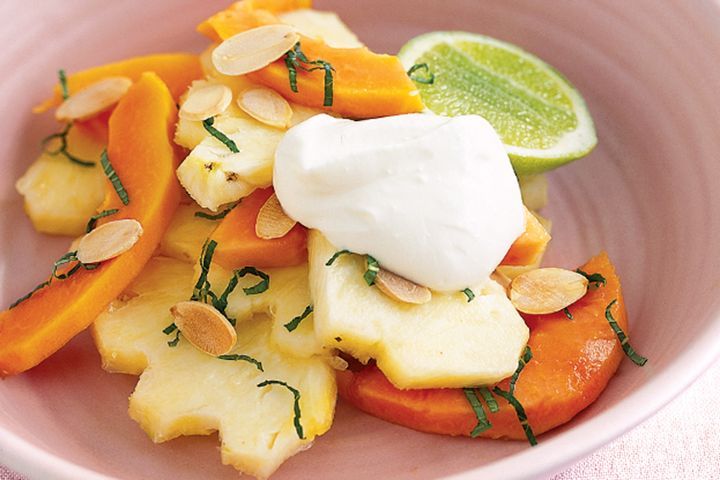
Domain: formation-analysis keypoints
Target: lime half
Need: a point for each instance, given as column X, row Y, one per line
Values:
column 540, row 117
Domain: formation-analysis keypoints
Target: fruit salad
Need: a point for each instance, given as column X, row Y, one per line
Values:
column 289, row 218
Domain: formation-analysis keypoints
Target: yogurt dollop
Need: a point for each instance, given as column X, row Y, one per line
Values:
column 434, row 199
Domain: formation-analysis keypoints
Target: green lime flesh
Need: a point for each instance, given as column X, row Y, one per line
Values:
column 538, row 115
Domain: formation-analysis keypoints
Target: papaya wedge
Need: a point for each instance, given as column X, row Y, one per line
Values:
column 573, row 360
column 365, row 84
column 142, row 154
column 239, row 246
column 177, row 70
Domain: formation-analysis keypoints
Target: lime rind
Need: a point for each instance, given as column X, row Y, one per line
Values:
column 570, row 146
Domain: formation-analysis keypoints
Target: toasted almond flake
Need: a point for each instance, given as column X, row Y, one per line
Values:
column 204, row 327
column 93, row 99
column 338, row 363
column 205, row 102
column 109, row 240
column 547, row 290
column 267, row 106
column 401, row 289
column 254, row 49
column 272, row 221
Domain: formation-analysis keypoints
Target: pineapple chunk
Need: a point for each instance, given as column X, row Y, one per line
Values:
column 183, row 391
column 325, row 26
column 446, row 342
column 186, row 234
column 287, row 298
column 60, row 196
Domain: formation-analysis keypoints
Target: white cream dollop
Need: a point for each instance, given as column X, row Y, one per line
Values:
column 434, row 199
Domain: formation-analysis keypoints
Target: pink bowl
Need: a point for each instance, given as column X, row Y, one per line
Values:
column 648, row 70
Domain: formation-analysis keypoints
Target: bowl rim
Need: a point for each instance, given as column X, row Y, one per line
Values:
column 577, row 442
column 550, row 456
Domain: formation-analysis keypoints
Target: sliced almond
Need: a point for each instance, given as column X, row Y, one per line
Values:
column 204, row 327
column 254, row 49
column 205, row 102
column 547, row 290
column 401, row 289
column 93, row 99
column 267, row 106
column 109, row 240
column 272, row 221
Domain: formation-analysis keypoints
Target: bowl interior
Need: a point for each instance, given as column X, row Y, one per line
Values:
column 645, row 195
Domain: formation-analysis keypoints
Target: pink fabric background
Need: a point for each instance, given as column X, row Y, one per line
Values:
column 681, row 442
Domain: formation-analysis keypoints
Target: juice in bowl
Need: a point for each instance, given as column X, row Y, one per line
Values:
column 289, row 217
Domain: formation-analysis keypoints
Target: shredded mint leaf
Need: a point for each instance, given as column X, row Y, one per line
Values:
column 242, row 358
column 261, row 286
column 489, row 399
column 227, row 141
column 520, row 412
column 295, row 322
column 296, row 405
column 219, row 215
column 202, row 288
column 94, row 219
column 469, row 294
column 28, row 295
column 63, row 84
column 595, row 278
column 568, row 314
column 513, row 401
column 624, row 340
column 483, row 422
column 63, row 148
column 427, row 78
column 113, row 177
column 170, row 329
column 524, row 359
column 336, row 256
column 174, row 342
column 373, row 267
column 295, row 59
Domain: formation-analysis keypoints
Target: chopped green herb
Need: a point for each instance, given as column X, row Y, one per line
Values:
column 63, row 148
column 242, row 358
column 219, row 215
column 513, row 401
column 427, row 78
column 67, row 258
column 489, row 399
column 231, row 145
column 295, row 59
column 170, row 329
column 202, row 287
column 469, row 294
column 520, row 412
column 174, row 342
column 624, row 340
column 568, row 314
column 482, row 421
column 261, row 286
column 94, row 219
column 296, row 404
column 373, row 267
column 524, row 359
column 595, row 278
column 63, row 84
column 113, row 177
column 295, row 322
column 336, row 256
column 28, row 295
